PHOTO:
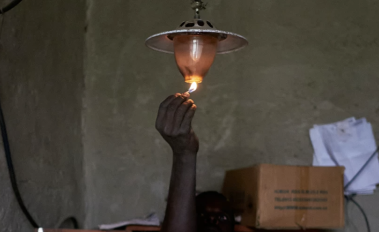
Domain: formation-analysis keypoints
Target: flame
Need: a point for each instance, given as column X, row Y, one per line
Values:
column 40, row 230
column 193, row 87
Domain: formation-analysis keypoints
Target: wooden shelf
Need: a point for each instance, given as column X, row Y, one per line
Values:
column 238, row 228
column 72, row 230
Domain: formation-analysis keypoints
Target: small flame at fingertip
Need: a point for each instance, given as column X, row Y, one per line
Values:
column 193, row 87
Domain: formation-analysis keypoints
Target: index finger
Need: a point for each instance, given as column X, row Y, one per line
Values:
column 168, row 100
column 186, row 94
column 162, row 109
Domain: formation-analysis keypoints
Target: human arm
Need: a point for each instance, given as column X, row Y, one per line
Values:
column 174, row 124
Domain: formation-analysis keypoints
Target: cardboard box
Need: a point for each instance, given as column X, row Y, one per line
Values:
column 287, row 197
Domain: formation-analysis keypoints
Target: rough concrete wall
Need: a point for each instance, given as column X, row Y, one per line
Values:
column 41, row 85
column 309, row 62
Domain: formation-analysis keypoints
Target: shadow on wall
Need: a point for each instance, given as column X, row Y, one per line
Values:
column 69, row 223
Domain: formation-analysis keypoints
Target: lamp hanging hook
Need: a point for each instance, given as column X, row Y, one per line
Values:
column 197, row 6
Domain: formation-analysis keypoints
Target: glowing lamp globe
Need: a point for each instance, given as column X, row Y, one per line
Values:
column 195, row 44
column 194, row 55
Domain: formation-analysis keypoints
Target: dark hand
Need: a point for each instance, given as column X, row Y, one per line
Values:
column 174, row 123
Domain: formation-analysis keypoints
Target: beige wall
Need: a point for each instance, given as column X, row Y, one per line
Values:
column 83, row 92
column 308, row 62
column 41, row 85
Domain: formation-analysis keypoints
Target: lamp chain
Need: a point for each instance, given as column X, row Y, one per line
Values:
column 197, row 6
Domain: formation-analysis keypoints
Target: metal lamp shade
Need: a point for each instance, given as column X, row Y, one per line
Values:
column 227, row 41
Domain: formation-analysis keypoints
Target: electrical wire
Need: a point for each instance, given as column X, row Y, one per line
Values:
column 351, row 197
column 9, row 6
column 362, row 168
column 4, row 134
column 12, row 174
